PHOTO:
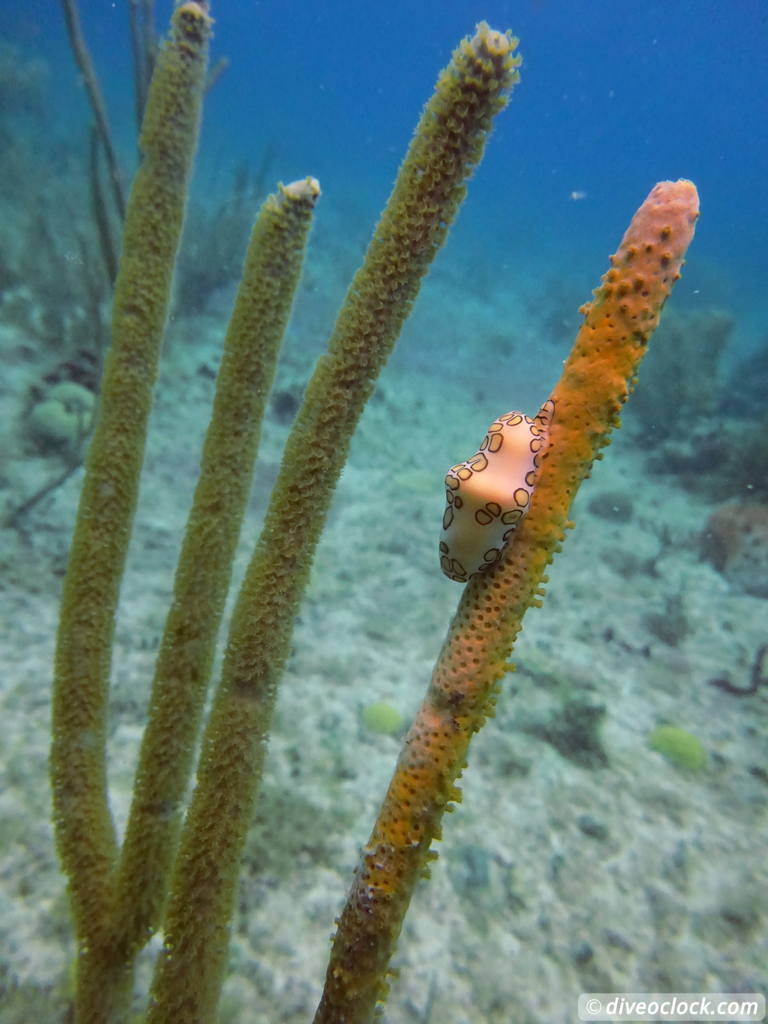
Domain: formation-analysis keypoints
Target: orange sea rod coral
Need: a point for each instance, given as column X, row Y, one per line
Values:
column 595, row 382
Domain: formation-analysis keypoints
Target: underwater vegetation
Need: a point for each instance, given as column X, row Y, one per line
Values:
column 119, row 895
column 176, row 871
column 181, row 876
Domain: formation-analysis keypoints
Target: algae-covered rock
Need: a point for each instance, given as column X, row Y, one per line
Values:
column 62, row 418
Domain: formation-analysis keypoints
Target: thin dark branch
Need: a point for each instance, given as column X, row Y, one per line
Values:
column 107, row 242
column 14, row 518
column 216, row 72
column 91, row 82
column 144, row 47
column 758, row 676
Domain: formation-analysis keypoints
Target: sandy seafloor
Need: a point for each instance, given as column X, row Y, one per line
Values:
column 553, row 878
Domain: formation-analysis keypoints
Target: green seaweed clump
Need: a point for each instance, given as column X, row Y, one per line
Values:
column 680, row 747
column 382, row 718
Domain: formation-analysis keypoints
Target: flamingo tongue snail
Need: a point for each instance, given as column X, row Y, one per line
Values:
column 488, row 495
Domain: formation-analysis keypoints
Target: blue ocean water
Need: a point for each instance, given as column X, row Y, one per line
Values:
column 613, row 97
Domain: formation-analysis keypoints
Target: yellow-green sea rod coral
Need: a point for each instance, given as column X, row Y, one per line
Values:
column 84, row 830
column 594, row 384
column 448, row 143
column 256, row 327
